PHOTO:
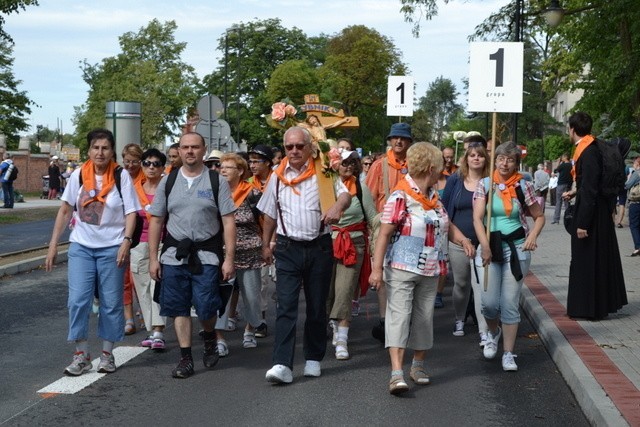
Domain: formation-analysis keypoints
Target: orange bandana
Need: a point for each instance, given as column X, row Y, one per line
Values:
column 142, row 196
column 508, row 191
column 258, row 185
column 308, row 173
column 584, row 143
column 400, row 165
column 89, row 182
column 350, row 183
column 427, row 204
column 445, row 172
column 241, row 192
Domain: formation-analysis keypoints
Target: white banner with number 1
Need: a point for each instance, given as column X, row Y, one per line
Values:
column 400, row 96
column 495, row 77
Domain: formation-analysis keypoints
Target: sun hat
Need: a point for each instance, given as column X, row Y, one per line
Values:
column 400, row 129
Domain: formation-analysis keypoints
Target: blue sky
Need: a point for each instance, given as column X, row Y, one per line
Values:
column 52, row 39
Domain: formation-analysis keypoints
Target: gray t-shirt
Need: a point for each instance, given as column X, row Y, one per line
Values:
column 193, row 213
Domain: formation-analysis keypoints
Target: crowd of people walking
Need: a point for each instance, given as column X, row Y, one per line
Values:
column 195, row 233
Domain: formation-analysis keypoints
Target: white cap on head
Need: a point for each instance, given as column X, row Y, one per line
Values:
column 54, row 158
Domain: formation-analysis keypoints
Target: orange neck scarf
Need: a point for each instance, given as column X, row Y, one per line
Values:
column 308, row 173
column 142, row 196
column 350, row 183
column 258, row 185
column 509, row 189
column 584, row 143
column 400, row 165
column 241, row 192
column 89, row 182
column 139, row 178
column 167, row 169
column 453, row 170
column 427, row 204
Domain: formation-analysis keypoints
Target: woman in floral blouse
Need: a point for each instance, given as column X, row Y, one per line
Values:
column 412, row 250
column 248, row 259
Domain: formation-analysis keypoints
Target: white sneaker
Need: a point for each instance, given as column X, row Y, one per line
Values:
column 312, row 368
column 279, row 374
column 334, row 328
column 491, row 347
column 223, row 349
column 508, row 362
column 484, row 337
column 458, row 329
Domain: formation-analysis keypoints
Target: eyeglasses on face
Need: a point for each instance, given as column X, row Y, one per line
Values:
column 347, row 163
column 290, row 147
column 367, row 164
column 148, row 163
column 505, row 159
column 131, row 162
column 228, row 167
column 211, row 164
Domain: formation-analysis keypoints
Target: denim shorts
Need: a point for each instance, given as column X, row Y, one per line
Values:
column 181, row 289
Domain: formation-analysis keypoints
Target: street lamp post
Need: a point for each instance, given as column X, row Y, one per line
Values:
column 226, row 78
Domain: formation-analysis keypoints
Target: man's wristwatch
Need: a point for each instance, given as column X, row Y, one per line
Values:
column 130, row 239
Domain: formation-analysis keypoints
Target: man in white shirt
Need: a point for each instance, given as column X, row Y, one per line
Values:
column 304, row 252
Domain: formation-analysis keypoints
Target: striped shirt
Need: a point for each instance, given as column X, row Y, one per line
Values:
column 301, row 213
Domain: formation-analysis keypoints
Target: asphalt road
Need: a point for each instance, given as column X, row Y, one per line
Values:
column 466, row 390
column 17, row 237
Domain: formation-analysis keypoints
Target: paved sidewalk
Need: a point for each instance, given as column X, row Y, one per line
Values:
column 599, row 360
column 34, row 202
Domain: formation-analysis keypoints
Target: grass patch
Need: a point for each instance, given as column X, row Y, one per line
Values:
column 10, row 216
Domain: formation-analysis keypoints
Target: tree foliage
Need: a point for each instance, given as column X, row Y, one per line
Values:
column 149, row 70
column 598, row 50
column 8, row 7
column 15, row 106
column 440, row 106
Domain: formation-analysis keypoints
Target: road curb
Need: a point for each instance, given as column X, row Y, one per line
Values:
column 594, row 402
column 29, row 264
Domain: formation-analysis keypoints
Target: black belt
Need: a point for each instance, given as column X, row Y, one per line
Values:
column 304, row 243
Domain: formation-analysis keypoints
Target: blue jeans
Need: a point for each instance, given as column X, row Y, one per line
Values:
column 181, row 289
column 634, row 223
column 307, row 264
column 87, row 267
column 7, row 194
column 502, row 297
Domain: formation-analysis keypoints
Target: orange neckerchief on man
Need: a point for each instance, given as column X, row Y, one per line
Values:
column 308, row 173
column 584, row 143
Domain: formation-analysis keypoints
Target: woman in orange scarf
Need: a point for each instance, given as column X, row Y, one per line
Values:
column 412, row 263
column 509, row 254
column 152, row 162
column 351, row 263
column 103, row 223
column 131, row 159
column 248, row 257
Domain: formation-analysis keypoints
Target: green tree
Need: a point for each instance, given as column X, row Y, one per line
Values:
column 253, row 51
column 150, row 71
column 15, row 106
column 7, row 7
column 292, row 79
column 358, row 63
column 439, row 104
column 597, row 50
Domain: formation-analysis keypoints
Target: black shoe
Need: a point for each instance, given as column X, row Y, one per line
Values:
column 378, row 331
column 261, row 331
column 184, row 368
column 210, row 356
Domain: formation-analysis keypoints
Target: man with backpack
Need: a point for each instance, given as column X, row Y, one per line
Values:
column 200, row 215
column 596, row 281
column 8, row 173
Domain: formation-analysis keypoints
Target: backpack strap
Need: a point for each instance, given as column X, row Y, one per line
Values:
column 520, row 194
column 385, row 177
column 359, row 196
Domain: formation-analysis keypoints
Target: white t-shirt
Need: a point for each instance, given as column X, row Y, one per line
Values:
column 97, row 225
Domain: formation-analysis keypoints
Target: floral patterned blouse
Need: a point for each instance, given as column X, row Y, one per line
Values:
column 248, row 240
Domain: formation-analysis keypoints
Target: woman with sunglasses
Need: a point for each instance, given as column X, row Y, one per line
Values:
column 352, row 264
column 152, row 162
column 509, row 254
column 458, row 201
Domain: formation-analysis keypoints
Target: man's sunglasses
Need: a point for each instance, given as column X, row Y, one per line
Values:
column 290, row 147
column 147, row 163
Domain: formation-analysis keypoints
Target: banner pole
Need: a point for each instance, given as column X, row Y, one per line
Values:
column 492, row 162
